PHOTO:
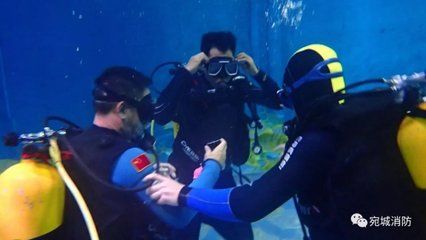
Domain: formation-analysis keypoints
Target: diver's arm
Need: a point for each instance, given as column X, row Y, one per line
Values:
column 307, row 164
column 180, row 217
column 169, row 97
column 132, row 166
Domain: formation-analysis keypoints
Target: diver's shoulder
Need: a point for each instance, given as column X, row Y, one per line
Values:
column 319, row 135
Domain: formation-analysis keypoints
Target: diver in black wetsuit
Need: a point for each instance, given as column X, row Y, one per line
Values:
column 337, row 173
column 206, row 98
column 303, row 168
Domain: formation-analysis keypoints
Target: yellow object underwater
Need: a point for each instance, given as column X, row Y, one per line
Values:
column 31, row 200
column 412, row 143
column 337, row 83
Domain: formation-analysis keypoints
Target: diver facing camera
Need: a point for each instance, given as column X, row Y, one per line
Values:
column 220, row 69
column 206, row 98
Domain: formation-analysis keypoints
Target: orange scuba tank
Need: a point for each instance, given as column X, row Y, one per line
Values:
column 31, row 200
column 412, row 144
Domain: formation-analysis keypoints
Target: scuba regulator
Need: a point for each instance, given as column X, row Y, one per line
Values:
column 42, row 176
column 36, row 144
column 38, row 179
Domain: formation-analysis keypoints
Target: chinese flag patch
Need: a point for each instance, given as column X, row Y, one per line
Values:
column 140, row 162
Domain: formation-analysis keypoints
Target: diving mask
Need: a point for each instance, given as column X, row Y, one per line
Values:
column 222, row 66
column 144, row 105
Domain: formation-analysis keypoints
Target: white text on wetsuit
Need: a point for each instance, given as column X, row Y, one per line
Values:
column 289, row 151
column 189, row 152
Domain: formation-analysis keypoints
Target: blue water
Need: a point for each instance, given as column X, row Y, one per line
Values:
column 50, row 51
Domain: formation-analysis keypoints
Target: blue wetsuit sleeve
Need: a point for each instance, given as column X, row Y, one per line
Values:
column 126, row 174
column 179, row 217
column 209, row 175
column 304, row 164
column 212, row 202
column 132, row 165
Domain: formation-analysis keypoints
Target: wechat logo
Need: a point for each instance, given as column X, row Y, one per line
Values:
column 357, row 219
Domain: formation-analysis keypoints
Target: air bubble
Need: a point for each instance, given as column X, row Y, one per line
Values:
column 288, row 13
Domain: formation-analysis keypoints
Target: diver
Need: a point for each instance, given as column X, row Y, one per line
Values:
column 206, row 98
column 112, row 149
column 333, row 172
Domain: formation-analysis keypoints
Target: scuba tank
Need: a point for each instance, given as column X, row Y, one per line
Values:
column 32, row 192
column 31, row 198
column 411, row 141
column 380, row 168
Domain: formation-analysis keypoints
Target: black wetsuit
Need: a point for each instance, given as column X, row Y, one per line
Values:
column 336, row 166
column 205, row 114
column 117, row 214
column 302, row 171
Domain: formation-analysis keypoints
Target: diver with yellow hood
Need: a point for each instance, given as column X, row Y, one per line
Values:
column 329, row 151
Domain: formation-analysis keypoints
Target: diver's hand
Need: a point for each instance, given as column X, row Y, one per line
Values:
column 168, row 170
column 248, row 63
column 218, row 153
column 196, row 61
column 164, row 191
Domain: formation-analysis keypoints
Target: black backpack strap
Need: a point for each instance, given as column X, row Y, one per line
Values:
column 417, row 112
column 256, row 124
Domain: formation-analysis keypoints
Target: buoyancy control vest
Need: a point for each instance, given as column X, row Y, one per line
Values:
column 114, row 212
column 207, row 114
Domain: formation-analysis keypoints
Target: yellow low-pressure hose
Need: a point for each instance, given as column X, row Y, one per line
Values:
column 55, row 155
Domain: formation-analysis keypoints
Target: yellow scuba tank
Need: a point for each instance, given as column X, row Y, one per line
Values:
column 31, row 200
column 412, row 144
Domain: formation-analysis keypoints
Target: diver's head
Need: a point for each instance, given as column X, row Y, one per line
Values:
column 213, row 43
column 220, row 48
column 311, row 73
column 122, row 98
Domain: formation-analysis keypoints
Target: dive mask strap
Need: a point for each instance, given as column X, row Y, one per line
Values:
column 101, row 93
column 316, row 74
column 144, row 105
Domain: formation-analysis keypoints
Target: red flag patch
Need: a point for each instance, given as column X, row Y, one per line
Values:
column 140, row 162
